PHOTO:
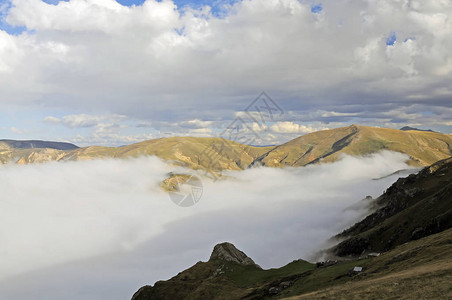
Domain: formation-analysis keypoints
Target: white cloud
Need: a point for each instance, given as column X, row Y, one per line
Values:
column 327, row 114
column 18, row 131
column 82, row 55
column 197, row 123
column 200, row 132
column 114, row 138
column 51, row 119
column 103, row 129
column 109, row 215
column 291, row 127
column 84, row 120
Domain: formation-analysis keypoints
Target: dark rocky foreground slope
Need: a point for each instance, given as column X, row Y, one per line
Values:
column 411, row 229
column 204, row 280
column 413, row 207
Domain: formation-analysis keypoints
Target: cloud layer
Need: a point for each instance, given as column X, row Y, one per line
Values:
column 371, row 62
column 106, row 228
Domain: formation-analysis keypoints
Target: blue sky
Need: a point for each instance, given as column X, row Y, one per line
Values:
column 217, row 7
column 391, row 39
column 144, row 70
column 4, row 8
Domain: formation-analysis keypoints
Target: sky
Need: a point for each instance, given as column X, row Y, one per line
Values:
column 112, row 73
column 101, row 229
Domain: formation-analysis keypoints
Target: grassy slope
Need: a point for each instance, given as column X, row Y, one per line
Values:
column 213, row 154
column 220, row 280
column 424, row 148
column 421, row 268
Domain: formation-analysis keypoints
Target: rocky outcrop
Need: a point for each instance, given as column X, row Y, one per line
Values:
column 228, row 252
column 204, row 280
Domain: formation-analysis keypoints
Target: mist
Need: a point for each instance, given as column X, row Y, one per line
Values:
column 101, row 229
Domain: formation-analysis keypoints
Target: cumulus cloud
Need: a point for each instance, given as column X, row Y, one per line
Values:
column 105, row 130
column 110, row 138
column 84, row 120
column 100, row 229
column 18, row 131
column 196, row 123
column 291, row 127
column 200, row 132
column 156, row 61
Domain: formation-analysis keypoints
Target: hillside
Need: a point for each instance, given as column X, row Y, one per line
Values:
column 197, row 153
column 424, row 148
column 413, row 207
column 420, row 269
column 411, row 229
column 215, row 154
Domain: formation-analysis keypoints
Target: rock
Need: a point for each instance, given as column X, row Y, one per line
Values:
column 417, row 233
column 326, row 263
column 284, row 284
column 228, row 252
column 373, row 254
column 352, row 246
column 273, row 291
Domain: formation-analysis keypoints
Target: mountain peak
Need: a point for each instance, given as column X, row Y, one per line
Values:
column 228, row 252
column 408, row 128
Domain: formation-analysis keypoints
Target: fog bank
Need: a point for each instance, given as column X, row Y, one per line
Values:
column 101, row 229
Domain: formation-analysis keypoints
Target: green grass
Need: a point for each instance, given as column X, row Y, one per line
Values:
column 247, row 276
column 419, row 269
column 325, row 276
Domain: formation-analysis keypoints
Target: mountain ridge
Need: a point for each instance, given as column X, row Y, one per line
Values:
column 32, row 144
column 413, row 128
column 424, row 148
column 217, row 154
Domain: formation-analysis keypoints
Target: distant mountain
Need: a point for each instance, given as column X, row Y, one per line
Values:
column 216, row 154
column 32, row 144
column 34, row 151
column 407, row 128
column 402, row 251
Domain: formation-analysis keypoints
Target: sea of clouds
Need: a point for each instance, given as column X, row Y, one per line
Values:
column 101, row 229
